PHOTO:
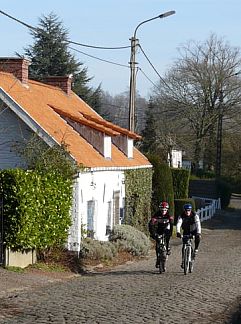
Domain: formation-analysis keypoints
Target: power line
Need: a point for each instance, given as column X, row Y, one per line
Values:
column 99, row 47
column 37, row 29
column 161, row 78
column 147, row 77
column 151, row 64
column 97, row 58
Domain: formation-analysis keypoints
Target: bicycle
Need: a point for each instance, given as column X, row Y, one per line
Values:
column 187, row 254
column 161, row 252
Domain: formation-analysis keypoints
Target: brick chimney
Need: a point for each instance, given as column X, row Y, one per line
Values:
column 17, row 66
column 63, row 82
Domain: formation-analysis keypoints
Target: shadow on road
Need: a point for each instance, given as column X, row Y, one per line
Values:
column 140, row 272
column 225, row 219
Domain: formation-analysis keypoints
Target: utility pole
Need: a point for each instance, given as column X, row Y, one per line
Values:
column 219, row 136
column 134, row 44
column 132, row 97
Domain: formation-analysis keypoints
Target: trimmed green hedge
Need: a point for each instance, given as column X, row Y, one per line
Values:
column 162, row 185
column 224, row 192
column 36, row 209
column 180, row 179
column 138, row 198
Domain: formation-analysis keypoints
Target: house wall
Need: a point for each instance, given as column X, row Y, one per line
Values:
column 101, row 194
column 12, row 130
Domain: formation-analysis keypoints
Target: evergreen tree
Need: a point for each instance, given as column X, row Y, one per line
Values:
column 50, row 57
column 149, row 143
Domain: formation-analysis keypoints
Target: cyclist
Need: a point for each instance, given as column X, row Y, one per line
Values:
column 161, row 223
column 189, row 222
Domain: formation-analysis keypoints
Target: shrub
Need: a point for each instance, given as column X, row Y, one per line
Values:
column 138, row 185
column 97, row 250
column 36, row 209
column 128, row 238
column 162, row 186
column 180, row 179
column 224, row 192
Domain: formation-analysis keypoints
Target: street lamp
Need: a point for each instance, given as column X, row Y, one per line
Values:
column 134, row 43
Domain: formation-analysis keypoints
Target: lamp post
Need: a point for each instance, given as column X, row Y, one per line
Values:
column 134, row 43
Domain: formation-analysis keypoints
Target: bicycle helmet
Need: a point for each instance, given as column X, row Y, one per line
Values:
column 187, row 207
column 163, row 205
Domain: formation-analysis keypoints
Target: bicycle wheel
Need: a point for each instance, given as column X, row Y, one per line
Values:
column 187, row 257
column 162, row 265
column 191, row 263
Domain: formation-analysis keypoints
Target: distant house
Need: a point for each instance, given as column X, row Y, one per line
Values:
column 53, row 111
column 175, row 158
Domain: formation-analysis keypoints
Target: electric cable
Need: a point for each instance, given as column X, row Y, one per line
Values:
column 37, row 29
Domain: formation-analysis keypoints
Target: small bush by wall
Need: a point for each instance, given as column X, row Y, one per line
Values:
column 123, row 238
column 97, row 250
column 128, row 238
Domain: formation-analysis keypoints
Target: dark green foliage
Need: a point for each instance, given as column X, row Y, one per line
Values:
column 224, row 192
column 149, row 142
column 36, row 209
column 138, row 198
column 180, row 179
column 179, row 206
column 204, row 174
column 52, row 159
column 162, row 185
column 50, row 56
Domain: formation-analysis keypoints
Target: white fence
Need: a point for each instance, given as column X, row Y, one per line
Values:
column 211, row 205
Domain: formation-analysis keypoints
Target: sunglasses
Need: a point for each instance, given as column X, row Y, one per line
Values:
column 188, row 210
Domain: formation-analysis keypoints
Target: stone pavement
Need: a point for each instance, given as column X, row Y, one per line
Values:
column 137, row 293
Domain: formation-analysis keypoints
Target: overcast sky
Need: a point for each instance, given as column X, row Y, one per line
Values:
column 111, row 23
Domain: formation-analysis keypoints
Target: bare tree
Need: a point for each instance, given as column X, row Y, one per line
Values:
column 116, row 108
column 191, row 91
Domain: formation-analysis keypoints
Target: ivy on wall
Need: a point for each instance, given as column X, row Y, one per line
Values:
column 138, row 184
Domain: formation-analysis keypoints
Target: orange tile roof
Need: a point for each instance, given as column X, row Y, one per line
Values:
column 45, row 103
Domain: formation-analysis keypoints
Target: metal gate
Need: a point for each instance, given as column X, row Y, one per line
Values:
column 1, row 232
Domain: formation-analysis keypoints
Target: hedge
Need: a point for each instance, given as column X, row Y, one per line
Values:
column 180, row 179
column 138, row 198
column 36, row 209
column 162, row 185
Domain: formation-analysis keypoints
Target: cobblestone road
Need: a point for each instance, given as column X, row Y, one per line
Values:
column 137, row 293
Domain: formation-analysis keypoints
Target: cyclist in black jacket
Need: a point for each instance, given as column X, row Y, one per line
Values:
column 190, row 224
column 160, row 223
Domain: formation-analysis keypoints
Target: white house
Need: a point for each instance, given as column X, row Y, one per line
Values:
column 175, row 158
column 53, row 111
